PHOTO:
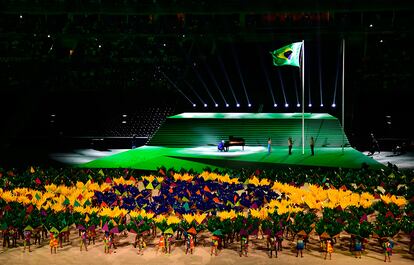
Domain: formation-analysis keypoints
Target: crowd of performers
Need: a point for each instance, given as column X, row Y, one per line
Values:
column 167, row 240
column 181, row 206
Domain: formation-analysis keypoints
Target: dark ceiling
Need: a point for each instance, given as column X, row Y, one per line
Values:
column 98, row 58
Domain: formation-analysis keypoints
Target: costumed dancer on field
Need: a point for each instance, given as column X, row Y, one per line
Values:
column 300, row 245
column 161, row 244
column 329, row 248
column 83, row 239
column 91, row 235
column 387, row 245
column 244, row 245
column 13, row 236
column 141, row 245
column 36, row 236
column 53, row 243
column 279, row 239
column 214, row 245
column 189, row 244
column 106, row 243
column 112, row 240
column 27, row 235
column 66, row 236
column 168, row 243
column 6, row 238
column 44, row 232
column 358, row 248
column 272, row 245
column 61, row 236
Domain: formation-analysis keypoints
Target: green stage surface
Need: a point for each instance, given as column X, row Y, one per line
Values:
column 198, row 158
column 189, row 140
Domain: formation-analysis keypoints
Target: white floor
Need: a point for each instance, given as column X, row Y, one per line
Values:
column 405, row 161
column 80, row 156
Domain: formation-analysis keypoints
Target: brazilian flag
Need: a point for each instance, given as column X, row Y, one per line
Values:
column 287, row 55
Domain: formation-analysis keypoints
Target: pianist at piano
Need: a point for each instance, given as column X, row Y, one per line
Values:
column 234, row 141
column 220, row 146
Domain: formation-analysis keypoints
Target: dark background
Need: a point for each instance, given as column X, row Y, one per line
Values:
column 167, row 54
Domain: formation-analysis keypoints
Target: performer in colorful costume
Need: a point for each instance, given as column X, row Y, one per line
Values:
column 189, row 244
column 329, row 248
column 53, row 243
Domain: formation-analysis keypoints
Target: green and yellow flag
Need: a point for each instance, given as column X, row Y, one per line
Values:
column 287, row 55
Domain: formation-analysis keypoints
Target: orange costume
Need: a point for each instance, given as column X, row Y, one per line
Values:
column 53, row 241
column 161, row 244
column 329, row 247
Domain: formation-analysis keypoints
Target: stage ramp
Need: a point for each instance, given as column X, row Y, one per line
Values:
column 207, row 129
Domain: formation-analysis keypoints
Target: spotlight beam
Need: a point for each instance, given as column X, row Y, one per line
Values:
column 195, row 92
column 320, row 74
column 309, row 89
column 227, row 78
column 337, row 76
column 296, row 88
column 175, row 86
column 240, row 74
column 269, row 85
column 204, row 84
column 215, row 82
column 282, row 86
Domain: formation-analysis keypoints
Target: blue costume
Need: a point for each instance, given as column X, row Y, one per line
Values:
column 220, row 146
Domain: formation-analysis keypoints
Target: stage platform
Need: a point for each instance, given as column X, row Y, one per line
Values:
column 189, row 141
column 199, row 158
column 192, row 129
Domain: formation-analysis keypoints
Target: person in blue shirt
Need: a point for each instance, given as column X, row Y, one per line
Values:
column 269, row 145
column 220, row 146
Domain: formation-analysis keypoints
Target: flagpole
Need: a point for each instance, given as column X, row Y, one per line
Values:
column 303, row 97
column 343, row 94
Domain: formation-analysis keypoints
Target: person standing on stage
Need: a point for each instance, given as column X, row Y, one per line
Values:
column 269, row 145
column 374, row 145
column 290, row 144
column 134, row 141
column 312, row 146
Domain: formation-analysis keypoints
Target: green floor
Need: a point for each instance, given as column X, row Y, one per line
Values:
column 152, row 157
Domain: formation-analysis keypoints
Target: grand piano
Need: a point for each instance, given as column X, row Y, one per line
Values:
column 234, row 141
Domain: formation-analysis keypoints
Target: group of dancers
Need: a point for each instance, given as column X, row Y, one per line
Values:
column 166, row 241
